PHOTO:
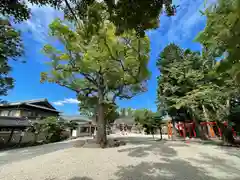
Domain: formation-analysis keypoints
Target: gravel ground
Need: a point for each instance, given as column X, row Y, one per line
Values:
column 141, row 159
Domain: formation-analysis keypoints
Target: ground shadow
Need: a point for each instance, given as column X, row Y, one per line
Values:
column 73, row 178
column 147, row 146
column 80, row 178
column 232, row 151
column 217, row 162
column 168, row 170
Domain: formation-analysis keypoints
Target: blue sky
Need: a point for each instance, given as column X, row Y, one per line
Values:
column 180, row 29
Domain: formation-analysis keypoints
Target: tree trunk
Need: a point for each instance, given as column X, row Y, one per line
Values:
column 160, row 131
column 202, row 134
column 21, row 137
column 10, row 137
column 228, row 138
column 174, row 133
column 35, row 137
column 210, row 131
column 101, row 123
column 227, row 131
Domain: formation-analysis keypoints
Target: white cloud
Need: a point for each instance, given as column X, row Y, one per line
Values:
column 38, row 24
column 187, row 16
column 66, row 101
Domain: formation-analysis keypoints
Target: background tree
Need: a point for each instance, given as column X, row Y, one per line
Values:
column 221, row 35
column 147, row 119
column 190, row 84
column 96, row 63
column 126, row 112
column 10, row 49
column 184, row 72
column 54, row 129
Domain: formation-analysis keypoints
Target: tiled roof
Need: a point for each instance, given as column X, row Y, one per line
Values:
column 127, row 120
column 76, row 118
column 24, row 102
column 32, row 104
column 41, row 107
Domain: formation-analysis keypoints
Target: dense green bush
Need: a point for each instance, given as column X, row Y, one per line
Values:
column 53, row 128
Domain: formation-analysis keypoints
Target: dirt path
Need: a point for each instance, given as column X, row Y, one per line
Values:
column 140, row 159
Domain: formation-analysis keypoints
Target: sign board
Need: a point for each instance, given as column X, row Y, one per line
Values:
column 74, row 133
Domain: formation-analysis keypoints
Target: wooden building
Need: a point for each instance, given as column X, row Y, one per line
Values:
column 21, row 114
column 16, row 117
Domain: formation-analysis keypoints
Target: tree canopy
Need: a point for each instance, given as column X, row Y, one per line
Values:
column 137, row 15
column 221, row 35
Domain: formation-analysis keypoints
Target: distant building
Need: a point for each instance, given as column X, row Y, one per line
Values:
column 123, row 123
column 20, row 114
column 84, row 126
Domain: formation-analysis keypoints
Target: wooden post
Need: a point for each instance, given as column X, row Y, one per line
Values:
column 184, row 130
column 90, row 130
column 21, row 137
column 11, row 135
column 190, row 130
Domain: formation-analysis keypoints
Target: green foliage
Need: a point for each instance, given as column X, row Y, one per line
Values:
column 147, row 119
column 189, row 81
column 137, row 15
column 95, row 63
column 126, row 112
column 89, row 108
column 221, row 35
column 52, row 127
column 17, row 9
column 10, row 49
column 36, row 128
column 98, row 60
column 111, row 113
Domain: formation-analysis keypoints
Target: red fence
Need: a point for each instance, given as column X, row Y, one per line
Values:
column 190, row 128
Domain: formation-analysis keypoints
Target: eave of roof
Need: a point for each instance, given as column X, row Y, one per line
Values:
column 24, row 102
column 41, row 107
column 126, row 120
column 76, row 118
column 28, row 103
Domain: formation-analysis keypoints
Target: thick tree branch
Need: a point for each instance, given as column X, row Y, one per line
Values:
column 77, row 90
column 73, row 14
column 112, row 56
column 90, row 78
column 117, row 94
column 125, row 69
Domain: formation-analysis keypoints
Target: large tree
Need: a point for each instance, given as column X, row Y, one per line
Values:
column 189, row 83
column 125, row 14
column 95, row 63
column 185, row 84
